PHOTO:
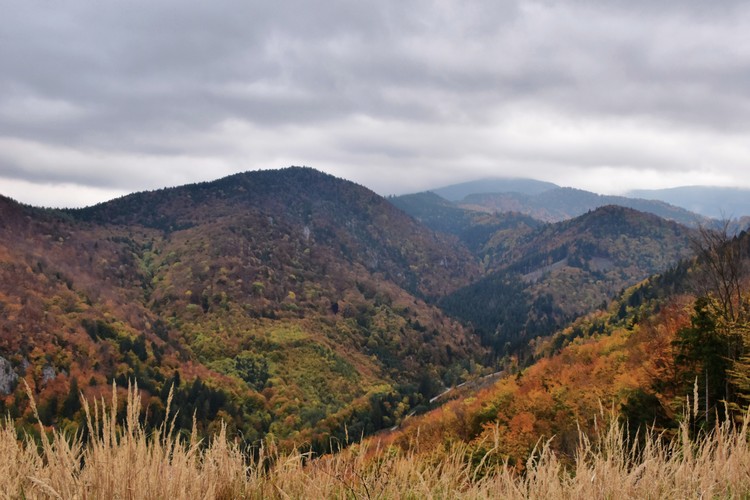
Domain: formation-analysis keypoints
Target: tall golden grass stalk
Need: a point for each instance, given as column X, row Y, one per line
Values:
column 123, row 461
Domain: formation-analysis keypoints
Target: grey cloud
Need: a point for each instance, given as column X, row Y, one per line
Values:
column 159, row 79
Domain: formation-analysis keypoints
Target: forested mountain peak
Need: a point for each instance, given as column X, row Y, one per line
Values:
column 620, row 219
column 556, row 272
column 293, row 190
column 284, row 301
column 321, row 208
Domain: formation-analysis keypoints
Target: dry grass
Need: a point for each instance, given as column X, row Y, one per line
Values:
column 124, row 462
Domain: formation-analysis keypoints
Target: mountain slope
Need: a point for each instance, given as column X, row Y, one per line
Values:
column 278, row 302
column 606, row 361
column 659, row 358
column 564, row 270
column 326, row 211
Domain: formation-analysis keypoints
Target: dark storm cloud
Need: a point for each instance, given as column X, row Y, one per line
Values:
column 133, row 95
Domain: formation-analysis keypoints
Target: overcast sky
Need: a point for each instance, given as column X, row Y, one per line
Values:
column 102, row 98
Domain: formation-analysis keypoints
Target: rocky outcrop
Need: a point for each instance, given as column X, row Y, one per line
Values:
column 48, row 374
column 8, row 377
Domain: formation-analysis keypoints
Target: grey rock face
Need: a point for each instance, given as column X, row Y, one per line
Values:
column 8, row 377
column 48, row 373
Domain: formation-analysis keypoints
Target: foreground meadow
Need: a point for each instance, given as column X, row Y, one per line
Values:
column 124, row 461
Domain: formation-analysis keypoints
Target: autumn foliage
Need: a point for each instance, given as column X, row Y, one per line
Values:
column 119, row 459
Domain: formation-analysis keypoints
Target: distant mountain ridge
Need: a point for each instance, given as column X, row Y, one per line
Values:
column 456, row 192
column 474, row 228
column 550, row 202
column 559, row 204
column 710, row 201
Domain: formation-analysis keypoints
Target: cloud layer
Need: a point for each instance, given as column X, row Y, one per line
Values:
column 104, row 98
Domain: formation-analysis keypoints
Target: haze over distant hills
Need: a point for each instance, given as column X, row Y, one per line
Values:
column 550, row 202
column 711, row 201
column 542, row 201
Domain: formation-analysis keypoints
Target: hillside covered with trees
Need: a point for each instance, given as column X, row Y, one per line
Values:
column 286, row 303
column 669, row 357
column 549, row 276
column 300, row 309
